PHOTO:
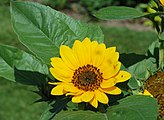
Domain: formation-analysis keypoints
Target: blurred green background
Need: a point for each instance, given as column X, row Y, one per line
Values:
column 16, row 100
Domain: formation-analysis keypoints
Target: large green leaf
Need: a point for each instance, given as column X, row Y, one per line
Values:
column 118, row 13
column 122, row 13
column 42, row 29
column 14, row 61
column 131, row 108
column 134, row 108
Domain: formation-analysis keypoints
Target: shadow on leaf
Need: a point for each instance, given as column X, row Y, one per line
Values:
column 29, row 77
column 131, row 58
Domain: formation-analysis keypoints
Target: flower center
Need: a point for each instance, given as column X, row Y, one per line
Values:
column 87, row 78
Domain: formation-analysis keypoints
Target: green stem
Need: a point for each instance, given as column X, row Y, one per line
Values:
column 161, row 54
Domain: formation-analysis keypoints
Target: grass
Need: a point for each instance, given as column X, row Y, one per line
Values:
column 16, row 99
column 17, row 102
column 128, row 41
column 7, row 36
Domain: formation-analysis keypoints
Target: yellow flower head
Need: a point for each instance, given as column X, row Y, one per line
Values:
column 87, row 71
column 162, row 2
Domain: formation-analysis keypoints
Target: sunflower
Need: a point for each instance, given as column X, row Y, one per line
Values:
column 87, row 71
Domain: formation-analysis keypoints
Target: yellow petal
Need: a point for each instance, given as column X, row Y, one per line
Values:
column 76, row 99
column 54, row 83
column 75, row 94
column 60, row 76
column 112, row 90
column 101, row 97
column 94, row 102
column 86, row 41
column 71, row 88
column 146, row 93
column 98, row 55
column 63, row 72
column 61, row 68
column 80, row 52
column 110, row 50
column 112, row 58
column 87, row 44
column 162, row 2
column 110, row 65
column 68, row 57
column 109, row 70
column 58, row 90
column 108, row 83
column 122, row 76
column 94, row 44
column 87, row 96
column 58, row 63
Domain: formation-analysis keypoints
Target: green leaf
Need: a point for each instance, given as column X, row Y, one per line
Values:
column 137, row 107
column 72, row 106
column 14, row 61
column 55, row 107
column 153, row 49
column 133, row 83
column 141, row 71
column 118, row 13
column 42, row 29
column 6, row 71
column 46, row 114
column 131, row 108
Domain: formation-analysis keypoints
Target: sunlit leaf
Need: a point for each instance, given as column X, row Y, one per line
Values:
column 12, row 59
column 42, row 29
